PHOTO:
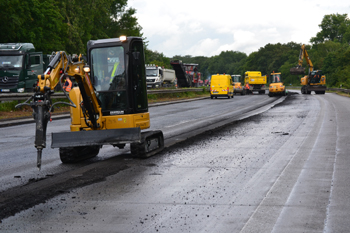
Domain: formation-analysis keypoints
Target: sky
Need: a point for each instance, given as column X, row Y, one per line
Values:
column 206, row 28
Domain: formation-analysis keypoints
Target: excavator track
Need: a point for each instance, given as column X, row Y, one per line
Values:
column 151, row 143
column 77, row 154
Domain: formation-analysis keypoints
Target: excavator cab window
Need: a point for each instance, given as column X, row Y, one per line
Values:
column 276, row 78
column 315, row 76
column 108, row 69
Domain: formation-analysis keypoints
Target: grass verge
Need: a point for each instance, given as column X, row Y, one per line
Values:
column 8, row 110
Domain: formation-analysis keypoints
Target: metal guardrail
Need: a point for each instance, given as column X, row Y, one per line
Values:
column 328, row 89
column 339, row 89
column 59, row 95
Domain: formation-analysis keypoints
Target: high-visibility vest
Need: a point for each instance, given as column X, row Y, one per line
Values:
column 113, row 72
column 69, row 86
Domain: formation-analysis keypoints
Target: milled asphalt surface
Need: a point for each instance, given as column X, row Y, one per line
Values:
column 284, row 170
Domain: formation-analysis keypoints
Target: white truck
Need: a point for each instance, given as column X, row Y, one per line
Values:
column 157, row 76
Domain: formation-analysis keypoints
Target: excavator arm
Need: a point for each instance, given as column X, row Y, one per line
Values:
column 61, row 65
column 299, row 69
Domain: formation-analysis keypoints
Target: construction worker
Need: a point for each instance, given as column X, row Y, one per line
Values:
column 247, row 88
column 116, row 78
column 67, row 85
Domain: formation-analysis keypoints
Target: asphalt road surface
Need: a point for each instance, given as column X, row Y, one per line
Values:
column 283, row 170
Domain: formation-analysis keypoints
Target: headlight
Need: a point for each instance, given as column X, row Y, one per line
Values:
column 77, row 69
column 86, row 69
column 20, row 90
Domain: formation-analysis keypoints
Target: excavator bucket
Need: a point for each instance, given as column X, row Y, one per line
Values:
column 95, row 137
column 297, row 70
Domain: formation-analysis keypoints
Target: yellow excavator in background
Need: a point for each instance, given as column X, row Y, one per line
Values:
column 108, row 106
column 276, row 86
column 315, row 80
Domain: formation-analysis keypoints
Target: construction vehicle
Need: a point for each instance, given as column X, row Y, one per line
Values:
column 108, row 107
column 221, row 85
column 237, row 84
column 19, row 66
column 276, row 86
column 254, row 82
column 315, row 80
column 186, row 73
column 157, row 76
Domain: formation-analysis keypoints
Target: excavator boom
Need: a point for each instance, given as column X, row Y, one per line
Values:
column 299, row 69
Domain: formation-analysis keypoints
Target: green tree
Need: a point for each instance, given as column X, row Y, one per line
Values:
column 156, row 58
column 333, row 27
column 33, row 21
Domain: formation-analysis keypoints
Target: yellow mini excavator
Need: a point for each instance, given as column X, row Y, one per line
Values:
column 108, row 106
column 314, row 81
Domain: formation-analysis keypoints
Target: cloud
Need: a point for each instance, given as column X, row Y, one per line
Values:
column 197, row 29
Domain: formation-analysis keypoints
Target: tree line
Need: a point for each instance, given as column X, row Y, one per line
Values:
column 53, row 25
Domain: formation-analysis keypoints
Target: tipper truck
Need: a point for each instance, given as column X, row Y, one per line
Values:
column 157, row 76
column 20, row 66
column 253, row 81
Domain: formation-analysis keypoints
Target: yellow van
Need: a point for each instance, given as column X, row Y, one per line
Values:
column 221, row 85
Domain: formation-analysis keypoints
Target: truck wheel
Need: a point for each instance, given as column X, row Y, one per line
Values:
column 229, row 97
column 211, row 97
column 77, row 154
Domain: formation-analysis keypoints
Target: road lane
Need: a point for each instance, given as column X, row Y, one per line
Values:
column 284, row 170
column 18, row 156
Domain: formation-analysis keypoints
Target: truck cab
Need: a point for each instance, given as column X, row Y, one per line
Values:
column 154, row 76
column 19, row 67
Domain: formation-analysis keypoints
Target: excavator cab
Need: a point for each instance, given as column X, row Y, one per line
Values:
column 112, row 81
column 276, row 78
column 315, row 76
